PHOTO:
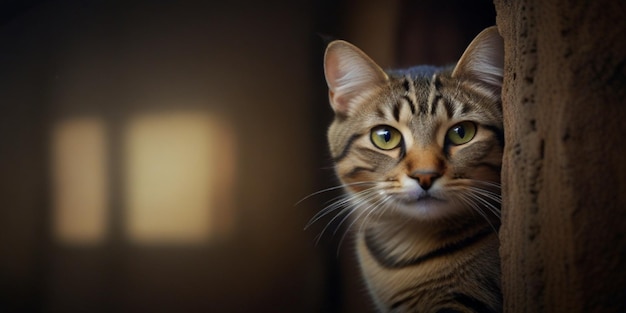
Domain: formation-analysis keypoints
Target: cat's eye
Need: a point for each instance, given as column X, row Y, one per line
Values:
column 386, row 137
column 461, row 133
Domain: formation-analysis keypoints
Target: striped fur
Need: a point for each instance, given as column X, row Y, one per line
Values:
column 426, row 213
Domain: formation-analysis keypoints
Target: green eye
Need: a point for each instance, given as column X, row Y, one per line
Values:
column 461, row 133
column 386, row 137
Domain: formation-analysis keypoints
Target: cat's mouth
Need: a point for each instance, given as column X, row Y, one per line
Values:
column 424, row 205
column 422, row 198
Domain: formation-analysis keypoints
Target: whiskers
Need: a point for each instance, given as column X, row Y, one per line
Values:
column 357, row 206
column 357, row 209
column 482, row 197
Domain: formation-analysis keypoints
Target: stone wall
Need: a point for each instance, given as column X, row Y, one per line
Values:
column 564, row 176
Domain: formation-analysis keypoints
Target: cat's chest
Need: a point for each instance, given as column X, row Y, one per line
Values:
column 385, row 280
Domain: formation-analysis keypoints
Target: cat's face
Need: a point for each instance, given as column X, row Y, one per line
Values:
column 426, row 142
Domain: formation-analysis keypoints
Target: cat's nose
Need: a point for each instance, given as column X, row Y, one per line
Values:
column 425, row 178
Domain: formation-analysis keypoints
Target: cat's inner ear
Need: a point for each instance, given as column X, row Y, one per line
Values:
column 483, row 60
column 350, row 75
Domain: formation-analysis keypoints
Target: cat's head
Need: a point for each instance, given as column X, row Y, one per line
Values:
column 424, row 142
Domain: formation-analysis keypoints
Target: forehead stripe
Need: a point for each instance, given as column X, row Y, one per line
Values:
column 411, row 103
column 396, row 112
column 434, row 103
column 410, row 92
column 448, row 106
column 423, row 108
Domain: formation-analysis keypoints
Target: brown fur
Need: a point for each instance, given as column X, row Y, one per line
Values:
column 427, row 211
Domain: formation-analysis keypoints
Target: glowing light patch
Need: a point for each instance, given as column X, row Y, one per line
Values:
column 178, row 175
column 79, row 181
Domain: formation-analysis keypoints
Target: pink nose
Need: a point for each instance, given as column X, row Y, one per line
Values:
column 425, row 178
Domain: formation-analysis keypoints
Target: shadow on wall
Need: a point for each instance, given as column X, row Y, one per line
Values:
column 152, row 153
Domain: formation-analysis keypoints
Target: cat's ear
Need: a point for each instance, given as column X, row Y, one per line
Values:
column 350, row 74
column 483, row 60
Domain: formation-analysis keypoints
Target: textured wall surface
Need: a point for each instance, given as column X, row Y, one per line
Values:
column 564, row 175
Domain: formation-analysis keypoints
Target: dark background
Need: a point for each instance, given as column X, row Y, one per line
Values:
column 248, row 75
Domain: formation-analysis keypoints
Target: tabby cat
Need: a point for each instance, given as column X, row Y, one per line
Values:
column 418, row 152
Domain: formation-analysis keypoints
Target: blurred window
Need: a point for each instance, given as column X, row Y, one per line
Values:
column 177, row 176
column 173, row 177
column 80, row 178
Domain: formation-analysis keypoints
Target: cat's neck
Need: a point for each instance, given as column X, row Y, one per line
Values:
column 399, row 242
column 390, row 225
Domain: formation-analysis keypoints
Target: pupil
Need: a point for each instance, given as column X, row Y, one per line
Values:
column 460, row 131
column 386, row 135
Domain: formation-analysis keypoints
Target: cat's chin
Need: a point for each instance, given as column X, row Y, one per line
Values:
column 425, row 208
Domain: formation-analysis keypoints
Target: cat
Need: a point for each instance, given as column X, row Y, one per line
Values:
column 418, row 152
